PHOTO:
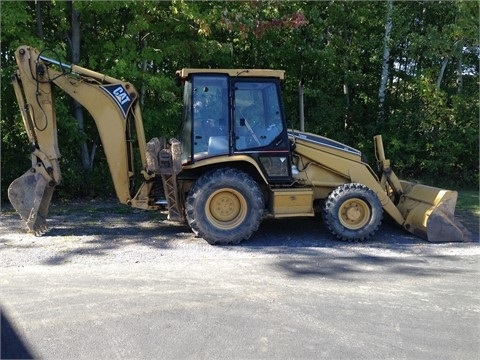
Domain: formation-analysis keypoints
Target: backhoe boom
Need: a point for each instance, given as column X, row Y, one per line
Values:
column 112, row 103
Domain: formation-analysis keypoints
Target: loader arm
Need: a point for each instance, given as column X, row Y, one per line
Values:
column 113, row 105
column 425, row 211
column 428, row 212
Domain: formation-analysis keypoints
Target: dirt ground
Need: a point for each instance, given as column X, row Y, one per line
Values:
column 92, row 213
column 81, row 230
column 107, row 281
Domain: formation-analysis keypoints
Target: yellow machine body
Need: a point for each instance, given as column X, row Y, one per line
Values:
column 217, row 192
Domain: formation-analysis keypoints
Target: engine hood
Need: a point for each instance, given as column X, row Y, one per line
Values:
column 317, row 140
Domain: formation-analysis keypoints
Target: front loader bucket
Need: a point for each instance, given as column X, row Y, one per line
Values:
column 430, row 213
column 30, row 195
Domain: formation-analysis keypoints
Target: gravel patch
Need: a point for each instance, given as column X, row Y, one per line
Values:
column 105, row 232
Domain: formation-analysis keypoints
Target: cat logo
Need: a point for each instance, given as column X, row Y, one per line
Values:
column 120, row 96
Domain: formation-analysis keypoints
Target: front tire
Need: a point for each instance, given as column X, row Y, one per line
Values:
column 225, row 206
column 352, row 212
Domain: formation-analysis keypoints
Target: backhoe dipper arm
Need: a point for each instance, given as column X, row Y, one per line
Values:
column 112, row 104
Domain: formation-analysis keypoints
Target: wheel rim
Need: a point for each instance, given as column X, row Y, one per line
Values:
column 226, row 208
column 354, row 213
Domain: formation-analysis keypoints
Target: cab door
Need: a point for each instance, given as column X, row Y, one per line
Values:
column 205, row 131
column 259, row 127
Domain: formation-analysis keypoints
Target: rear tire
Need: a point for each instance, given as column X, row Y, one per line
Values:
column 352, row 212
column 225, row 206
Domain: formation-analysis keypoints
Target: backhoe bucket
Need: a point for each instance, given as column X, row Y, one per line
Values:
column 430, row 213
column 30, row 195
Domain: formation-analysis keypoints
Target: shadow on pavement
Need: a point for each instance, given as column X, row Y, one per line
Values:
column 96, row 231
column 12, row 345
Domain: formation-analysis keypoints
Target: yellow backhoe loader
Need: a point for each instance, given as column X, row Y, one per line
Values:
column 235, row 161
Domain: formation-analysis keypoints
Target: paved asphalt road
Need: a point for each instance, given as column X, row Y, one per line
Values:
column 150, row 291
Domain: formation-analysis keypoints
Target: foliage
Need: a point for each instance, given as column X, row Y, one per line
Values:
column 335, row 48
column 468, row 201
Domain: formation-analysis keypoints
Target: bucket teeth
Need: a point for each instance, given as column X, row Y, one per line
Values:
column 39, row 227
column 30, row 195
column 39, row 231
column 443, row 227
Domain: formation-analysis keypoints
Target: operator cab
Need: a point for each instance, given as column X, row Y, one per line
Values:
column 235, row 112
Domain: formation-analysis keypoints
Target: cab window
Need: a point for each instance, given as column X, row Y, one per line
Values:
column 210, row 115
column 258, row 120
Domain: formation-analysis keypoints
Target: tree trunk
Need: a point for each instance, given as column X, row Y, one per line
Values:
column 385, row 62
column 143, row 45
column 38, row 16
column 442, row 72
column 86, row 157
column 459, row 67
column 346, row 92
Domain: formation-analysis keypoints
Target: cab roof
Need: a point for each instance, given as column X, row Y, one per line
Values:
column 280, row 74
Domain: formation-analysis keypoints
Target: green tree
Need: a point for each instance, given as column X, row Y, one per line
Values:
column 429, row 102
